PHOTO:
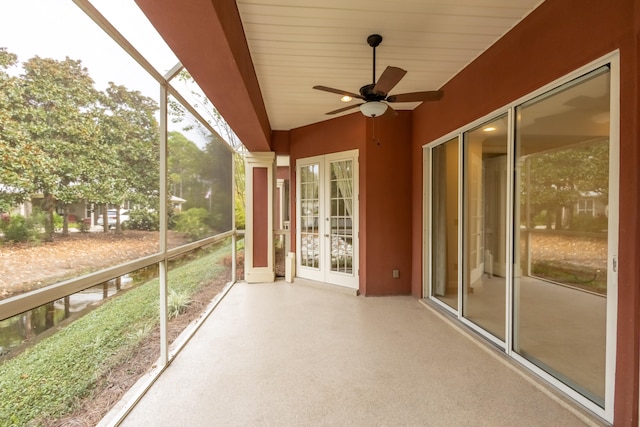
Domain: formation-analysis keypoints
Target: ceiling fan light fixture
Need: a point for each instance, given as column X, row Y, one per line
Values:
column 373, row 108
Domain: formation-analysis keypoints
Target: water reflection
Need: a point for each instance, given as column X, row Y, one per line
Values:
column 23, row 330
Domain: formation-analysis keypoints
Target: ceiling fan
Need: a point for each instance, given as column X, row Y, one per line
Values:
column 375, row 93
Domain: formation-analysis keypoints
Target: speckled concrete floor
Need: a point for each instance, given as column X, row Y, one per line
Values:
column 296, row 355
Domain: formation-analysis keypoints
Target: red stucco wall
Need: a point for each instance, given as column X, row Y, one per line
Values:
column 555, row 39
column 385, row 196
column 388, row 204
column 260, row 217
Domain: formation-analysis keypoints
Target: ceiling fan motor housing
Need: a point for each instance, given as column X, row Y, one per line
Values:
column 369, row 95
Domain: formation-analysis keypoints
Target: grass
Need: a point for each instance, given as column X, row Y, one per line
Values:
column 582, row 277
column 49, row 379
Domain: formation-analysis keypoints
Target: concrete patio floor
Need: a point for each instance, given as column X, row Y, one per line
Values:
column 302, row 354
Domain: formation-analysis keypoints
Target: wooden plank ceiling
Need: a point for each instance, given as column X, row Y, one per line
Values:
column 296, row 44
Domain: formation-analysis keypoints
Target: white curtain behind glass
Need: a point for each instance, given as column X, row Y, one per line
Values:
column 344, row 182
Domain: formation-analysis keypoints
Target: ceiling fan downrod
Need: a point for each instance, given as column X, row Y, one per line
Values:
column 374, row 41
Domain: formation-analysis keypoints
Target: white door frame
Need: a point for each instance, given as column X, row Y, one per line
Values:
column 321, row 244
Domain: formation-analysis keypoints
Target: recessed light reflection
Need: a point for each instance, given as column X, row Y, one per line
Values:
column 489, row 129
column 346, row 98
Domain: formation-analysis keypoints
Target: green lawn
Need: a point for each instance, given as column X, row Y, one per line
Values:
column 49, row 379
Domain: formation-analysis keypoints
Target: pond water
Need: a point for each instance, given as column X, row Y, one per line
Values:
column 18, row 332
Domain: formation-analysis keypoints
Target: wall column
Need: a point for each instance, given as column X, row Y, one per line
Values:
column 259, row 250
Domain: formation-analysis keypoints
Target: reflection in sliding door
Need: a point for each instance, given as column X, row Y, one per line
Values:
column 485, row 222
column 444, row 214
column 561, row 232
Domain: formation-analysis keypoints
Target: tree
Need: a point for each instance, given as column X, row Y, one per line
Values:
column 16, row 154
column 185, row 166
column 559, row 178
column 217, row 173
column 60, row 119
column 129, row 143
column 215, row 119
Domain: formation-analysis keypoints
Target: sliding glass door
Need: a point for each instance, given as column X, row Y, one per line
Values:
column 560, row 281
column 485, row 225
column 444, row 223
column 531, row 264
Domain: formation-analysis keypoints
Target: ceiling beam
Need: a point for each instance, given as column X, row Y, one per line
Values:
column 208, row 38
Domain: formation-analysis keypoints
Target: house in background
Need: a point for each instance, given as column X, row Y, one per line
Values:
column 434, row 201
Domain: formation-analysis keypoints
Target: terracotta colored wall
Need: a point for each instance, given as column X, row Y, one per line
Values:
column 555, row 39
column 280, row 141
column 388, row 204
column 196, row 26
column 331, row 136
column 385, row 197
column 260, row 218
column 282, row 172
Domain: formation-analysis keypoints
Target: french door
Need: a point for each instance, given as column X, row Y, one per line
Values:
column 327, row 218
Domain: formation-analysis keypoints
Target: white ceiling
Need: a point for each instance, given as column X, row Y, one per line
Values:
column 297, row 44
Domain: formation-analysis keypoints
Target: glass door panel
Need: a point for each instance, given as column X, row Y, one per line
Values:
column 341, row 216
column 444, row 223
column 309, row 216
column 561, row 232
column 485, row 225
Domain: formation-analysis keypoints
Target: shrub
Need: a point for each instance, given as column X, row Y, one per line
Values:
column 141, row 219
column 21, row 229
column 193, row 223
column 240, row 217
column 583, row 222
column 84, row 225
column 58, row 221
column 177, row 303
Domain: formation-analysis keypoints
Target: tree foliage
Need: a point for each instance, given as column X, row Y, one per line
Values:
column 185, row 166
column 65, row 140
column 129, row 142
column 60, row 109
column 559, row 178
column 17, row 154
column 203, row 177
column 221, row 188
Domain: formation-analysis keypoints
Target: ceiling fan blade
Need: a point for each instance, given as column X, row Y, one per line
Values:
column 432, row 95
column 389, row 78
column 340, row 110
column 338, row 91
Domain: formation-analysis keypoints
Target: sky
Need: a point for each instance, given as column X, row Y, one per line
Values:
column 59, row 28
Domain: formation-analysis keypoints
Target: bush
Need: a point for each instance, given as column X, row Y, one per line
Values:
column 58, row 221
column 177, row 303
column 193, row 223
column 240, row 217
column 141, row 219
column 84, row 225
column 21, row 229
column 590, row 223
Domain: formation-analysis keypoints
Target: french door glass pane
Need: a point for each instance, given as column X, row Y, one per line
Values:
column 341, row 216
column 485, row 221
column 561, row 202
column 309, row 215
column 444, row 227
